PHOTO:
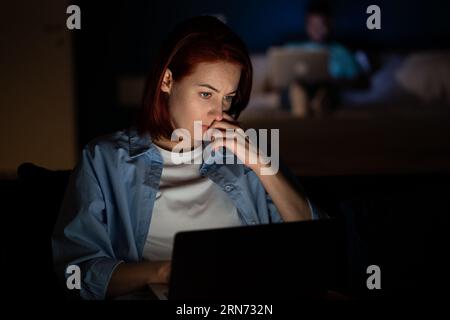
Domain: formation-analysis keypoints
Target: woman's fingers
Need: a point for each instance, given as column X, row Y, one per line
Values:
column 165, row 270
column 224, row 125
column 234, row 141
column 229, row 118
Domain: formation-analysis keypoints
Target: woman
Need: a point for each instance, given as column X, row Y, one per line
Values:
column 127, row 197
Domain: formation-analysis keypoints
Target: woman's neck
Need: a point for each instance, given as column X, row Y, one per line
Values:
column 170, row 145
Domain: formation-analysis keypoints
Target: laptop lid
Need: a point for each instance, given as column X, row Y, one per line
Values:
column 286, row 64
column 276, row 261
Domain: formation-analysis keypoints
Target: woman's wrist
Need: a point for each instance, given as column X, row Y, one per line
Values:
column 159, row 272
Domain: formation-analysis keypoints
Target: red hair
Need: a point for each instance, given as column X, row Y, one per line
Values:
column 199, row 39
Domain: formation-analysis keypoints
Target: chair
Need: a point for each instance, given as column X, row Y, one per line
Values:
column 41, row 191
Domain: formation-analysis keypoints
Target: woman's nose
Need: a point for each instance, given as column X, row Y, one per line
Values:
column 218, row 113
column 219, row 117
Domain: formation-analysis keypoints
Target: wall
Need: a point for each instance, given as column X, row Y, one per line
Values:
column 37, row 118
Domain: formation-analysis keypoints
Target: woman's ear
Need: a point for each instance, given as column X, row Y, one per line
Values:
column 167, row 83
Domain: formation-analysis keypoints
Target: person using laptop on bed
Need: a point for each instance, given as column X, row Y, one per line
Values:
column 316, row 99
column 129, row 195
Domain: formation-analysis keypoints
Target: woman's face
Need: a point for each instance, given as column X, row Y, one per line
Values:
column 203, row 95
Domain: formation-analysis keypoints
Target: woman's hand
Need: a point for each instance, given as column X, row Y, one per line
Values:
column 134, row 276
column 291, row 205
column 238, row 143
column 161, row 273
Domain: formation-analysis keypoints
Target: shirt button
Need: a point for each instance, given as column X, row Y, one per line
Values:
column 228, row 188
column 253, row 222
column 158, row 194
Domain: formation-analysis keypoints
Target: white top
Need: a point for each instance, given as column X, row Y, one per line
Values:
column 185, row 201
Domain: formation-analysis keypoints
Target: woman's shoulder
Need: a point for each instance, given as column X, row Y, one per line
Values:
column 124, row 141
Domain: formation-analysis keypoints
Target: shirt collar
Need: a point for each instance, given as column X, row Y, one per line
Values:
column 138, row 144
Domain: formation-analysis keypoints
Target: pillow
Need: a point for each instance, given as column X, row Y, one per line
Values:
column 427, row 75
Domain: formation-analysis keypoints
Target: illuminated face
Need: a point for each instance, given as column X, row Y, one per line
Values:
column 203, row 95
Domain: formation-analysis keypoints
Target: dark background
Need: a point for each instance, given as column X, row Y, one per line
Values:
column 398, row 220
column 121, row 39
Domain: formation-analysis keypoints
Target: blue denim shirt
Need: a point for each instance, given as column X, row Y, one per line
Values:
column 107, row 208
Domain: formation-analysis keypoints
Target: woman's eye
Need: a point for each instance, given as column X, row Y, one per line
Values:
column 205, row 95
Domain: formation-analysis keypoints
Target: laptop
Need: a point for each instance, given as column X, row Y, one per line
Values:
column 286, row 64
column 295, row 260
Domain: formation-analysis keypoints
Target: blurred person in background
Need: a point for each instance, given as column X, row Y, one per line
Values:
column 307, row 99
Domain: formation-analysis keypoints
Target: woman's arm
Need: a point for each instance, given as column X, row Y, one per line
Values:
column 291, row 204
column 129, row 277
column 81, row 229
